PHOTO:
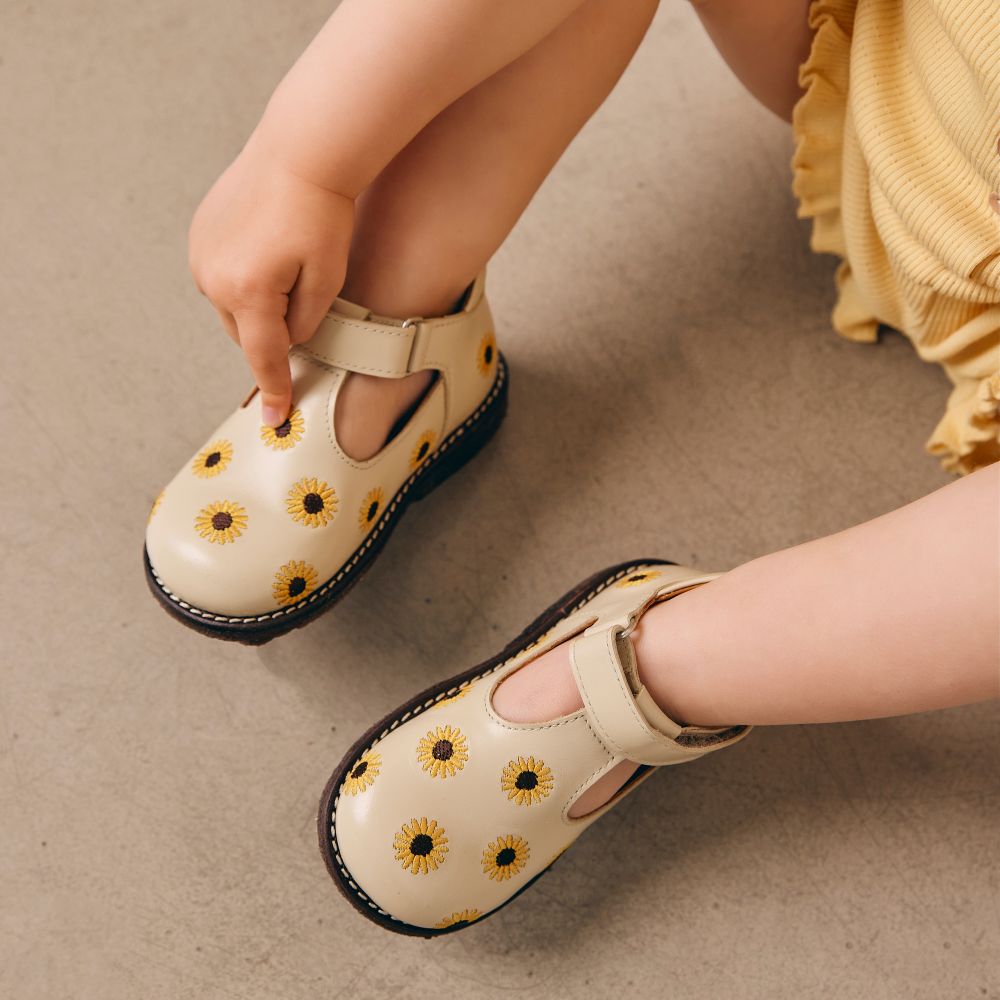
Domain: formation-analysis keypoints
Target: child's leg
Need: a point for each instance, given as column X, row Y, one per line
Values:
column 898, row 615
column 764, row 42
column 438, row 212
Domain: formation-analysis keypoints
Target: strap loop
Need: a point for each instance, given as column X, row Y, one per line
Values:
column 622, row 713
column 362, row 345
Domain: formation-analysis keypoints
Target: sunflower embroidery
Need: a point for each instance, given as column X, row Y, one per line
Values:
column 223, row 521
column 459, row 918
column 443, row 752
column 156, row 506
column 362, row 776
column 371, row 507
column 526, row 780
column 422, row 448
column 212, row 459
column 486, row 354
column 637, row 579
column 293, row 582
column 285, row 435
column 505, row 857
column 461, row 693
column 312, row 502
column 421, row 845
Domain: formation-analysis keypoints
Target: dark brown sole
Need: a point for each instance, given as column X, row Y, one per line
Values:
column 458, row 448
column 326, row 820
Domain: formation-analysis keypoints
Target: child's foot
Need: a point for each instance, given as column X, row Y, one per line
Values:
column 368, row 408
column 545, row 690
column 449, row 807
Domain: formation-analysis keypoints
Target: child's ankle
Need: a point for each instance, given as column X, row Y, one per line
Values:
column 401, row 294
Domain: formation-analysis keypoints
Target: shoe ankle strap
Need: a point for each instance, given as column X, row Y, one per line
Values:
column 622, row 712
column 354, row 338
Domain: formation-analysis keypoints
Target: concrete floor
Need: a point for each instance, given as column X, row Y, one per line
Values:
column 677, row 390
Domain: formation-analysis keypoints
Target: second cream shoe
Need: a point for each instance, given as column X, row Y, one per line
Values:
column 443, row 812
column 264, row 528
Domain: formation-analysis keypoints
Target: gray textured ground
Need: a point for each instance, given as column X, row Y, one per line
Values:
column 677, row 391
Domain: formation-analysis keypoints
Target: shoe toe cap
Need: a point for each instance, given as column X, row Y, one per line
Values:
column 422, row 825
column 221, row 539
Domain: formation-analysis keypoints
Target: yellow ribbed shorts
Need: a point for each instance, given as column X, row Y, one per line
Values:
column 897, row 163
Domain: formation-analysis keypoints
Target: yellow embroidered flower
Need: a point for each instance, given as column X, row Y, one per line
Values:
column 362, row 776
column 285, row 435
column 639, row 578
column 223, row 521
column 505, row 857
column 212, row 459
column 526, row 780
column 486, row 354
column 460, row 917
column 422, row 448
column 312, row 502
column 293, row 582
column 443, row 752
column 371, row 508
column 461, row 693
column 156, row 505
column 421, row 845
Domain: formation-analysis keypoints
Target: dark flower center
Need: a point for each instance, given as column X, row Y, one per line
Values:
column 296, row 585
column 442, row 750
column 359, row 769
column 506, row 857
column 423, row 449
column 421, row 845
column 488, row 353
column 526, row 780
column 283, row 430
column 372, row 509
column 213, row 459
column 637, row 578
column 312, row 503
column 222, row 520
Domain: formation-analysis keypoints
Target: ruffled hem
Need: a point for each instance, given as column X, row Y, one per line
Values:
column 817, row 163
column 968, row 435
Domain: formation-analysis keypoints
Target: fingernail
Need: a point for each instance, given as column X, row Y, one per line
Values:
column 273, row 417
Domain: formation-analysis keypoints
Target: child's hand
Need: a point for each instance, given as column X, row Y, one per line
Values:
column 269, row 250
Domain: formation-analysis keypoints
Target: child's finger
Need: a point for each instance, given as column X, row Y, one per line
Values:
column 309, row 301
column 264, row 339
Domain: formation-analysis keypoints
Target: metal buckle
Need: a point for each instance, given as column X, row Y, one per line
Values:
column 412, row 322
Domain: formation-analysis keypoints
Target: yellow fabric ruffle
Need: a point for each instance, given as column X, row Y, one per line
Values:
column 895, row 157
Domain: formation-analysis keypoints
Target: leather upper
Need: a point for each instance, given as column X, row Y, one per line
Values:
column 261, row 518
column 455, row 809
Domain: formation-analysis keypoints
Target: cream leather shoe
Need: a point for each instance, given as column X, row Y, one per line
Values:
column 265, row 528
column 444, row 812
